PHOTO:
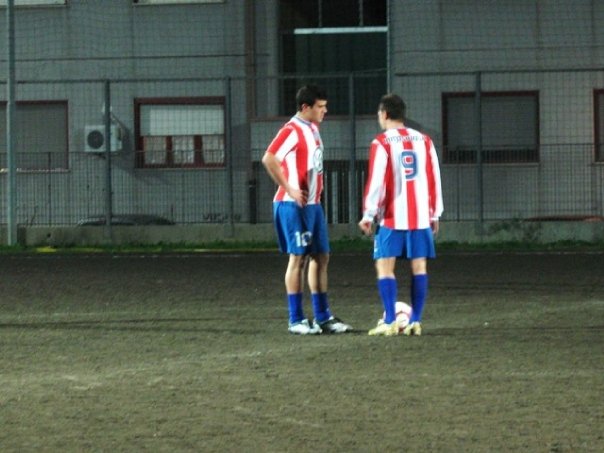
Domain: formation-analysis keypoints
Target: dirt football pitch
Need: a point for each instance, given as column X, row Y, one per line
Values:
column 190, row 353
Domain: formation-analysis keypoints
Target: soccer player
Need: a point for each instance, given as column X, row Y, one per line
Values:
column 403, row 195
column 294, row 160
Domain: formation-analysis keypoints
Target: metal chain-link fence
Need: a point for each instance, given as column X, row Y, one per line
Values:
column 187, row 151
column 154, row 112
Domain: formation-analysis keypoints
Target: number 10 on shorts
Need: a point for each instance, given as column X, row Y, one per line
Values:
column 303, row 239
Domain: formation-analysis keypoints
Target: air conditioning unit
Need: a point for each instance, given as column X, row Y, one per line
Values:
column 94, row 138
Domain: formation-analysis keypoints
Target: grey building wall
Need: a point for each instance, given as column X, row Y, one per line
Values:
column 178, row 50
column 66, row 52
column 439, row 46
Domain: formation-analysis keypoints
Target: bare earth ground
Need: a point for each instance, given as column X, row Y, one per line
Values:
column 190, row 353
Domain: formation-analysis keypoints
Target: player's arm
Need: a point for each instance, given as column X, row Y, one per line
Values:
column 374, row 186
column 434, row 188
column 273, row 168
column 366, row 226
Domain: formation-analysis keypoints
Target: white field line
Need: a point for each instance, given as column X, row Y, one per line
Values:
column 118, row 316
column 156, row 372
column 276, row 418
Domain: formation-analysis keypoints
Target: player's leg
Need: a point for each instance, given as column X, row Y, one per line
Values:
column 387, row 286
column 317, row 283
column 419, row 288
column 388, row 245
column 292, row 238
column 318, row 271
column 294, row 287
column 421, row 247
column 318, row 246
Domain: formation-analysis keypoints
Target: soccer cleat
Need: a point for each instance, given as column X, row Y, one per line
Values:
column 304, row 327
column 383, row 329
column 334, row 325
column 413, row 328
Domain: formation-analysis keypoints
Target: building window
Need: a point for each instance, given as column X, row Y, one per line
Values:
column 338, row 37
column 509, row 127
column 180, row 132
column 40, row 129
column 599, row 123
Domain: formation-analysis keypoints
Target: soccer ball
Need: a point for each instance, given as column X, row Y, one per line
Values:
column 403, row 314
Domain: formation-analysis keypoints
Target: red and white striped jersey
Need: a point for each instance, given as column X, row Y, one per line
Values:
column 299, row 148
column 403, row 190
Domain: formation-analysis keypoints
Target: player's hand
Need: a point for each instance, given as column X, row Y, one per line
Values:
column 299, row 196
column 366, row 226
column 435, row 227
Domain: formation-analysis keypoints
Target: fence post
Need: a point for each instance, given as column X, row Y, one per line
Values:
column 478, row 137
column 108, row 184
column 11, row 183
column 228, row 126
column 353, row 210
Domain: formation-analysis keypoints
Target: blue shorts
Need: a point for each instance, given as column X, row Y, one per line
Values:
column 300, row 231
column 407, row 244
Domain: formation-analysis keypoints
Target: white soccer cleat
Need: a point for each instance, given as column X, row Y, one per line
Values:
column 334, row 325
column 304, row 327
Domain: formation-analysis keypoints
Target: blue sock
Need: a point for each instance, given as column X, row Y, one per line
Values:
column 387, row 289
column 419, row 291
column 320, row 306
column 294, row 302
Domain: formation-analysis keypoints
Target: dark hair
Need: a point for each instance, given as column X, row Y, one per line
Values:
column 394, row 106
column 309, row 94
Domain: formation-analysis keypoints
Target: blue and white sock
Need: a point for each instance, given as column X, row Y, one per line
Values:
column 320, row 307
column 294, row 303
column 387, row 289
column 419, row 292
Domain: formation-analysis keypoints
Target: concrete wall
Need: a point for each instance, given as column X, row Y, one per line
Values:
column 462, row 232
